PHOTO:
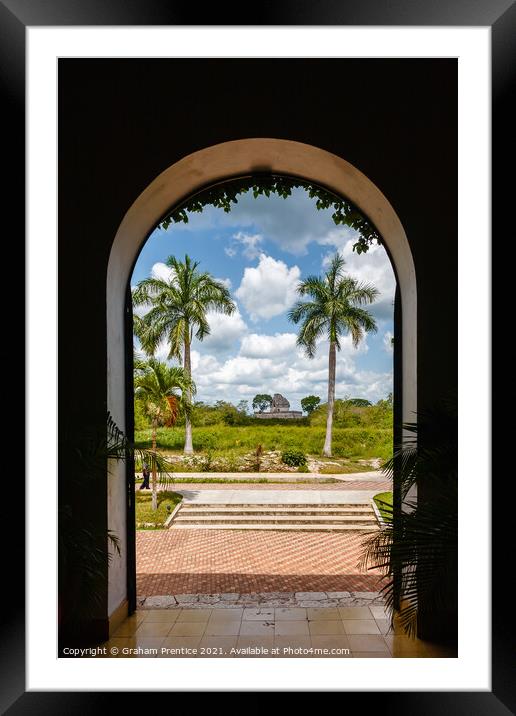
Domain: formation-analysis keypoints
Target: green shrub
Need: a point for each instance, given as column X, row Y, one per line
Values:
column 293, row 458
column 347, row 414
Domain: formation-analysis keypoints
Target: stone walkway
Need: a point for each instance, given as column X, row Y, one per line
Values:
column 371, row 475
column 374, row 486
column 250, row 496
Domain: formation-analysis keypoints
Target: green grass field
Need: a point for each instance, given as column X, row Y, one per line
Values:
column 355, row 443
column 144, row 511
column 384, row 503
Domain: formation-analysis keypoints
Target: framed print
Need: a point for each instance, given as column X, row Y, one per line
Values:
column 252, row 251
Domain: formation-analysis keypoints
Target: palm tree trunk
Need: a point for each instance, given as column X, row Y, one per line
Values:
column 331, row 399
column 154, row 475
column 188, row 425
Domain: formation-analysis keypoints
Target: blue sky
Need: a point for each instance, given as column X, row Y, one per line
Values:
column 261, row 250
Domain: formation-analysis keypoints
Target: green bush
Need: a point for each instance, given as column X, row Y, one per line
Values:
column 346, row 414
column 293, row 458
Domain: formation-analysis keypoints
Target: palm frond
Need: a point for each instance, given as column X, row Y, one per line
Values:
column 179, row 306
column 334, row 308
column 417, row 548
column 160, row 381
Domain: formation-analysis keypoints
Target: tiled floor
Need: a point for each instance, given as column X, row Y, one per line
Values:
column 212, row 561
column 345, row 632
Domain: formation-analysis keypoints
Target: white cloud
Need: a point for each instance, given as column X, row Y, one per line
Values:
column 268, row 289
column 274, row 364
column 202, row 365
column 229, row 251
column 161, row 352
column 263, row 346
column 338, row 238
column 250, row 242
column 365, row 384
column 290, row 223
column 247, row 370
column 224, row 330
column 387, row 342
column 162, row 271
column 226, row 282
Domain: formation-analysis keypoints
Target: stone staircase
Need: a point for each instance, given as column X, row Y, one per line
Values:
column 292, row 517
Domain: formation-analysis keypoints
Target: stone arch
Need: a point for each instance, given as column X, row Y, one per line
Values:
column 207, row 166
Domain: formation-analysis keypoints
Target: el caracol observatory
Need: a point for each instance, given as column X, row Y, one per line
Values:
column 280, row 408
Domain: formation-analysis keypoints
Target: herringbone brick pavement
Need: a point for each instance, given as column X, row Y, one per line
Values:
column 212, row 561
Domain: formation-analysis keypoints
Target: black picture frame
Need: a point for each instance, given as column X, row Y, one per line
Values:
column 500, row 15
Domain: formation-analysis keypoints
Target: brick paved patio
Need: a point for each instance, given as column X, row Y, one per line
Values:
column 212, row 561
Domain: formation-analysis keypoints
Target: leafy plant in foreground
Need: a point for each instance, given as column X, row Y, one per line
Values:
column 417, row 549
column 85, row 547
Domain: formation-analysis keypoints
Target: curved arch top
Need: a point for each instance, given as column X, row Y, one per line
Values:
column 218, row 163
column 241, row 157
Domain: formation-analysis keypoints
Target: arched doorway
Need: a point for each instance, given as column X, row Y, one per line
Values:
column 194, row 172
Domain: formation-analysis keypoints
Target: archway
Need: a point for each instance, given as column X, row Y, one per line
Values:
column 208, row 166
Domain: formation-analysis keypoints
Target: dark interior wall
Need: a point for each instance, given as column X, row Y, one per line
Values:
column 122, row 122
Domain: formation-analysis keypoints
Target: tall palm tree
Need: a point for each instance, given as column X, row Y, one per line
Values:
column 178, row 313
column 334, row 310
column 156, row 383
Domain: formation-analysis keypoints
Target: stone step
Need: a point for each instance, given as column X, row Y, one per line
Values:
column 273, row 526
column 299, row 516
column 286, row 509
column 362, row 506
column 288, row 519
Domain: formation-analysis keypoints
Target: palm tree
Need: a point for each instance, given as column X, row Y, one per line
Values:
column 178, row 313
column 335, row 309
column 155, row 383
